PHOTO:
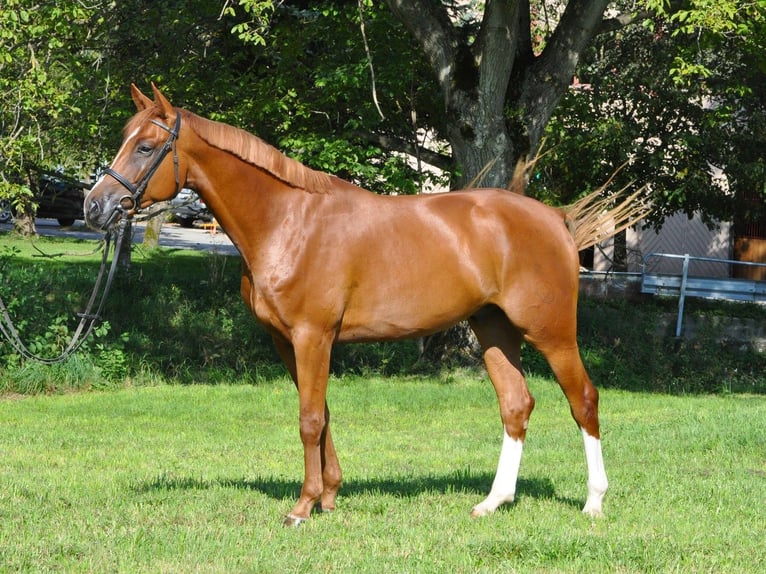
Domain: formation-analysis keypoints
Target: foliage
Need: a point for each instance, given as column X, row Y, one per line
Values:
column 312, row 81
column 630, row 346
column 151, row 312
column 48, row 54
column 178, row 316
column 301, row 75
column 44, row 301
column 630, row 110
column 307, row 93
column 713, row 26
column 254, row 30
column 195, row 60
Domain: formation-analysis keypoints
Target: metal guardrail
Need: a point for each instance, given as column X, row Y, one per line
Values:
column 684, row 285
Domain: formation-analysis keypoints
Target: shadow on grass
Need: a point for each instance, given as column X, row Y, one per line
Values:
column 408, row 486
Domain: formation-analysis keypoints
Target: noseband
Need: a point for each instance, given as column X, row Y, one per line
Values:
column 136, row 191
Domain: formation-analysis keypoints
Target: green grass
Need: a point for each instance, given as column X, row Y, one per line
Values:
column 197, row 478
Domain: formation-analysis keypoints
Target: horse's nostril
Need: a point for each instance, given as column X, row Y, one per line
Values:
column 94, row 208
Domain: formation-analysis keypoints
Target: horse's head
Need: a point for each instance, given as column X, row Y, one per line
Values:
column 147, row 167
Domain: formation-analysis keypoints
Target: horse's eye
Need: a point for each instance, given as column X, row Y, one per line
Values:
column 144, row 149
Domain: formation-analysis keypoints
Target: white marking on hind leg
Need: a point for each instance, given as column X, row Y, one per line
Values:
column 597, row 482
column 504, row 486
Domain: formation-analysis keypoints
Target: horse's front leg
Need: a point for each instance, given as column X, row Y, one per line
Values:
column 322, row 475
column 332, row 476
column 331, row 473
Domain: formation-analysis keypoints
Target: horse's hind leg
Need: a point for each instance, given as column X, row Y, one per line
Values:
column 501, row 344
column 564, row 359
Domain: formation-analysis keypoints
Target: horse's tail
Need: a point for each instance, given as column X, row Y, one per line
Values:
column 595, row 217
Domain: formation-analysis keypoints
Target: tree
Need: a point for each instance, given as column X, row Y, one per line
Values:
column 351, row 86
column 727, row 63
column 711, row 24
column 48, row 51
column 488, row 77
column 339, row 86
column 484, row 79
column 675, row 123
column 192, row 57
column 499, row 83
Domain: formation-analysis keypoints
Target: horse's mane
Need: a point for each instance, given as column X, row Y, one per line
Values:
column 257, row 152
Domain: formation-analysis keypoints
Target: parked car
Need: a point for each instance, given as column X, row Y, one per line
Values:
column 187, row 207
column 61, row 198
column 5, row 211
column 58, row 197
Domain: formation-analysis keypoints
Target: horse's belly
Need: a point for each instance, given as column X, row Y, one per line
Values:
column 407, row 315
column 386, row 330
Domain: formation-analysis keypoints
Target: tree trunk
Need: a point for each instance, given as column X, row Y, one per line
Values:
column 123, row 257
column 620, row 261
column 499, row 94
column 24, row 216
column 24, row 224
column 154, row 226
column 482, row 148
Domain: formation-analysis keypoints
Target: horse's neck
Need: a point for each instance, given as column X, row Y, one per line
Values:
column 246, row 201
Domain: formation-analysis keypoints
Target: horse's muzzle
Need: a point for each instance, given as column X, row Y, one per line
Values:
column 105, row 213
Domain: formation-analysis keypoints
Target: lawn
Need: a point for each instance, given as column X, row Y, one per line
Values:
column 197, row 478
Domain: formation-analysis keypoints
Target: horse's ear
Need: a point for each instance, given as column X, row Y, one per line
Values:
column 142, row 102
column 161, row 102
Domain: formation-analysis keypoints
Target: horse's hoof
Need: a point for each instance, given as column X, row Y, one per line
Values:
column 593, row 512
column 477, row 512
column 293, row 521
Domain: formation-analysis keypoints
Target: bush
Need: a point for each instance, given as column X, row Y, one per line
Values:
column 178, row 317
column 628, row 345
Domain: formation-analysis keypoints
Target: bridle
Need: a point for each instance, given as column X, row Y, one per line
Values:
column 132, row 201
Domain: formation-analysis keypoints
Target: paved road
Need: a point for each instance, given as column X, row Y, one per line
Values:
column 172, row 235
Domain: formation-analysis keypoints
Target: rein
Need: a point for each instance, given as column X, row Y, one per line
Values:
column 88, row 318
column 126, row 205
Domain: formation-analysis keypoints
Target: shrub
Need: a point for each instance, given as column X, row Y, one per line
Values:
column 178, row 317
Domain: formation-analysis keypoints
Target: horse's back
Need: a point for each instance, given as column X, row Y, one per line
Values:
column 513, row 234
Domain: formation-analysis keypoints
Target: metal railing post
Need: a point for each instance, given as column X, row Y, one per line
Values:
column 682, row 296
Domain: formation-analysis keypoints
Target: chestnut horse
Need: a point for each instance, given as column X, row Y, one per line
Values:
column 325, row 261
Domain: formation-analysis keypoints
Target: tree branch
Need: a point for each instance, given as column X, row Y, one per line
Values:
column 391, row 143
column 552, row 72
column 497, row 43
column 626, row 19
column 621, row 21
column 429, row 24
